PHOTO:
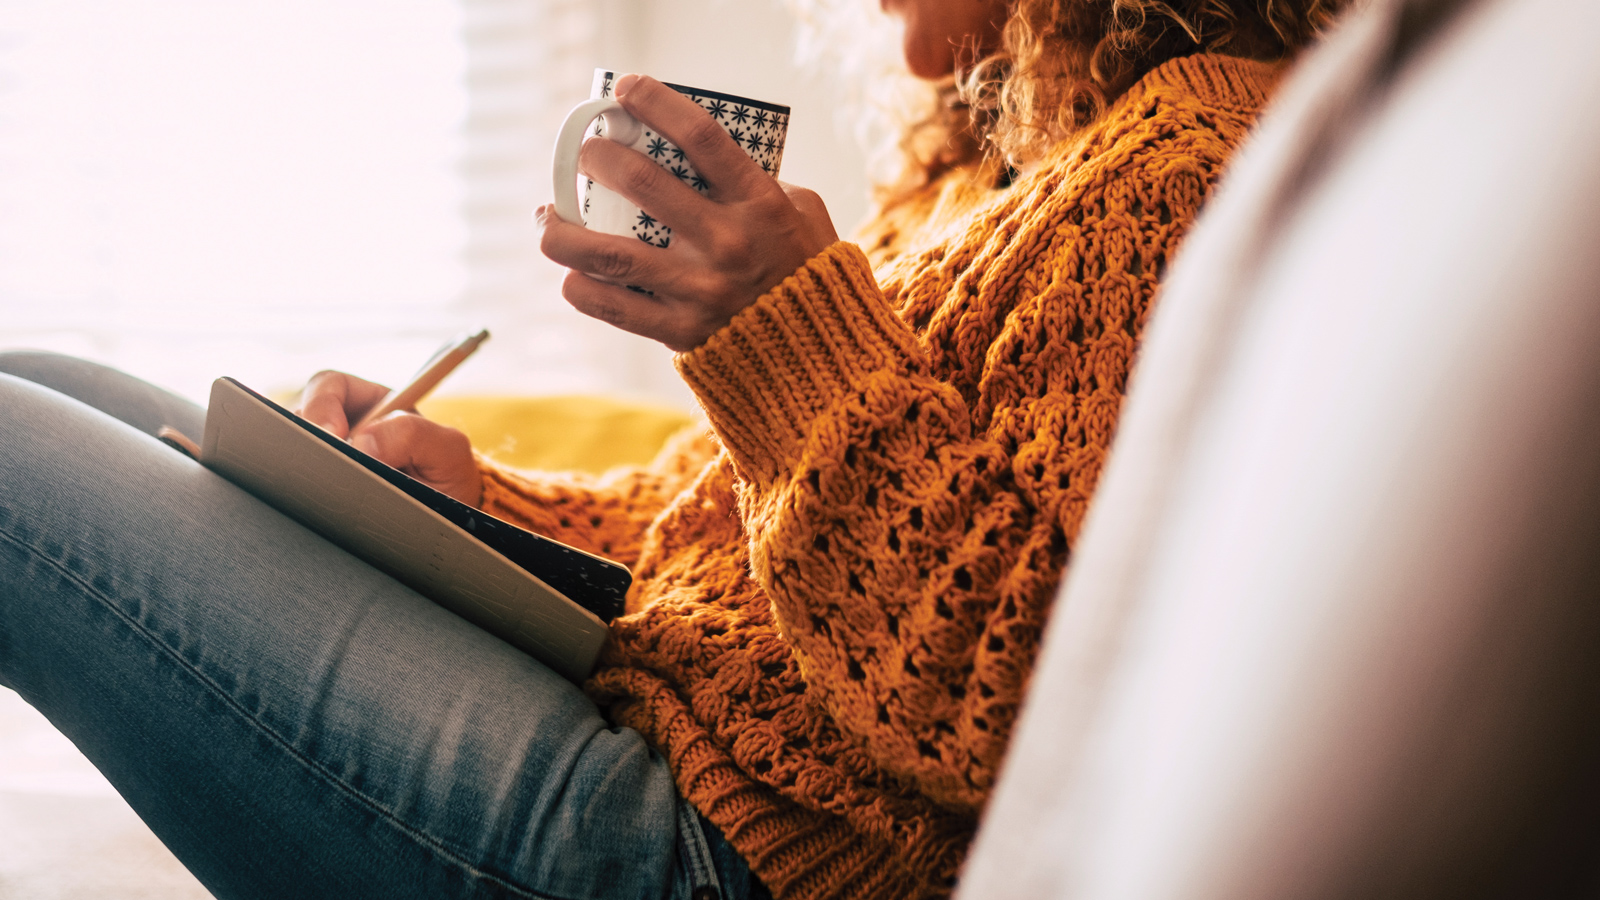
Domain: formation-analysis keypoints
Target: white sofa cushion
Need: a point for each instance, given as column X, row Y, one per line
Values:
column 1329, row 630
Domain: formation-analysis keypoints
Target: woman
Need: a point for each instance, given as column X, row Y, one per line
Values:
column 837, row 595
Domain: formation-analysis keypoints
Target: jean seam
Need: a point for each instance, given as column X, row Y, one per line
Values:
column 697, row 853
column 433, row 845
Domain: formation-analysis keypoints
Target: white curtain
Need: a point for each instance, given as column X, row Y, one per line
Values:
column 263, row 188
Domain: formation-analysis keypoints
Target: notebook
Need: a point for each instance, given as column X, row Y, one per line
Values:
column 551, row 600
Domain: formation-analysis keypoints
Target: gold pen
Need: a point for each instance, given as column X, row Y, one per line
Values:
column 427, row 378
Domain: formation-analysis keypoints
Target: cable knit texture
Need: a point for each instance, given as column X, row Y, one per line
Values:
column 839, row 594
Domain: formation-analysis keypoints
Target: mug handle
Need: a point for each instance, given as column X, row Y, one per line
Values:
column 620, row 127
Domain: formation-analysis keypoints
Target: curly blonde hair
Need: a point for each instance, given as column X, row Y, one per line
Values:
column 1059, row 64
column 1062, row 61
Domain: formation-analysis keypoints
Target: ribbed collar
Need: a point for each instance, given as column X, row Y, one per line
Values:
column 1229, row 82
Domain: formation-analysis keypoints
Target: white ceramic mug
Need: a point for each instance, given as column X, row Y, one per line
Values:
column 758, row 127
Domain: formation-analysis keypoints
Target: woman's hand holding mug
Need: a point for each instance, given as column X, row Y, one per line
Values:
column 436, row 455
column 728, row 246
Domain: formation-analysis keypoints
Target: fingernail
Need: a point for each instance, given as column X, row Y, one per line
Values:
column 364, row 443
column 625, row 84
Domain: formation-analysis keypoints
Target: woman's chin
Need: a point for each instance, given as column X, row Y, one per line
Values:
column 925, row 65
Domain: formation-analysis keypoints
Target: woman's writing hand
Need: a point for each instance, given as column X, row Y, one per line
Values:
column 434, row 454
column 746, row 234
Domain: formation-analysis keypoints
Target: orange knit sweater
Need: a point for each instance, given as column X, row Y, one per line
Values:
column 838, row 596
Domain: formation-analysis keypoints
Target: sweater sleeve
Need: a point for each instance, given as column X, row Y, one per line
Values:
column 604, row 514
column 910, row 531
column 868, row 511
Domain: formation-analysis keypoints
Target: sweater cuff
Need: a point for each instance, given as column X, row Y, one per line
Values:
column 500, row 498
column 797, row 351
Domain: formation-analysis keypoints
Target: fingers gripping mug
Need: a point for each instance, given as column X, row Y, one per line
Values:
column 758, row 128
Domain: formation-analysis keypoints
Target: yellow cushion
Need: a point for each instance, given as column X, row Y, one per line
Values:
column 560, row 432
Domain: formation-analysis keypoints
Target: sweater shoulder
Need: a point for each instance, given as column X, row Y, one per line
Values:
column 1197, row 100
column 1201, row 105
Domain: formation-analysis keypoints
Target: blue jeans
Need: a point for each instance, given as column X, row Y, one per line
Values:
column 288, row 720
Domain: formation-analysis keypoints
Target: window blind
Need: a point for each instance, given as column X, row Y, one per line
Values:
column 192, row 188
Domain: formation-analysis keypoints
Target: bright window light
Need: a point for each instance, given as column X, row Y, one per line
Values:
column 198, row 187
